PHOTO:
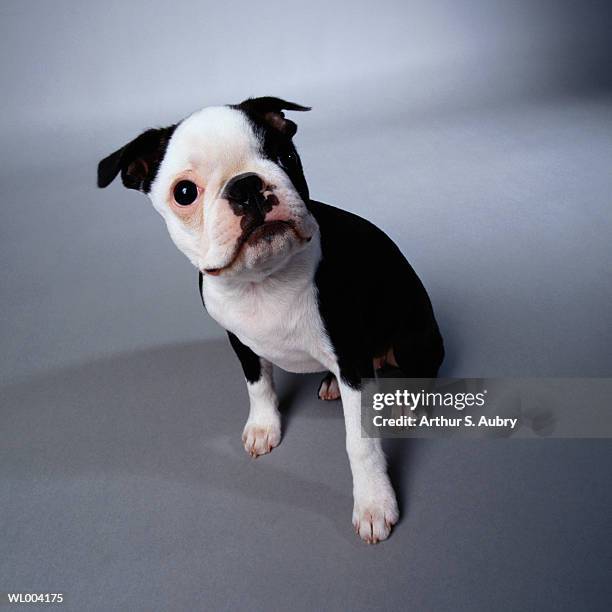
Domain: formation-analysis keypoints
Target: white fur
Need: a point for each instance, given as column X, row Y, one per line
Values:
column 375, row 507
column 262, row 431
column 268, row 299
column 279, row 320
column 210, row 147
column 277, row 317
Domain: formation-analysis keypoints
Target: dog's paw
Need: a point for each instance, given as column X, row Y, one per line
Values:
column 261, row 438
column 373, row 519
column 329, row 389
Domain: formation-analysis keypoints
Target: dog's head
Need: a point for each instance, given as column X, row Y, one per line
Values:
column 229, row 183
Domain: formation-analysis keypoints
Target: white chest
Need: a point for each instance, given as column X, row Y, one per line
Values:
column 278, row 319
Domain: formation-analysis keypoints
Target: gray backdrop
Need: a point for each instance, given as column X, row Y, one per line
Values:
column 478, row 134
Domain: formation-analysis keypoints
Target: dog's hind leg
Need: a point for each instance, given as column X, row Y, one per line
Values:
column 329, row 389
column 419, row 353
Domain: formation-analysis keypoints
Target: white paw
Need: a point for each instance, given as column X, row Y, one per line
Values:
column 373, row 519
column 261, row 438
column 329, row 389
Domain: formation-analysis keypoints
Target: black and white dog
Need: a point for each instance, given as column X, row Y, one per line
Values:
column 295, row 282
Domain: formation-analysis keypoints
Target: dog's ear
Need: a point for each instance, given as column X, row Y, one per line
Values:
column 137, row 161
column 270, row 110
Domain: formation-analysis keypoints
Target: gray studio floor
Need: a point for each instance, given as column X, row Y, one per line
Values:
column 123, row 483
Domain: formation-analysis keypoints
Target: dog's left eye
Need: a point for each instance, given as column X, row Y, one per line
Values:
column 287, row 160
column 185, row 193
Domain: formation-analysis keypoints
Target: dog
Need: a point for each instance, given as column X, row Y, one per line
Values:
column 294, row 282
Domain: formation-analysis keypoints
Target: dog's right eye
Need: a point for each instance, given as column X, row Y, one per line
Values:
column 185, row 193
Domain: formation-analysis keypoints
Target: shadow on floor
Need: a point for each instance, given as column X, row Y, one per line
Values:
column 176, row 412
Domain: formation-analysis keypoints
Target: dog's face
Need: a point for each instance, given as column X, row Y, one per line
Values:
column 229, row 184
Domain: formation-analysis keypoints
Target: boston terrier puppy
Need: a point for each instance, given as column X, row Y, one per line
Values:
column 295, row 282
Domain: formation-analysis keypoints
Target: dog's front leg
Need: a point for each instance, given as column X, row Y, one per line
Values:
column 375, row 507
column 262, row 431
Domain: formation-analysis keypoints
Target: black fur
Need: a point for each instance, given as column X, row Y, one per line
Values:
column 138, row 161
column 200, row 281
column 371, row 299
column 251, row 364
column 267, row 118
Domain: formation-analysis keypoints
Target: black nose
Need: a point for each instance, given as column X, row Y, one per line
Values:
column 244, row 191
